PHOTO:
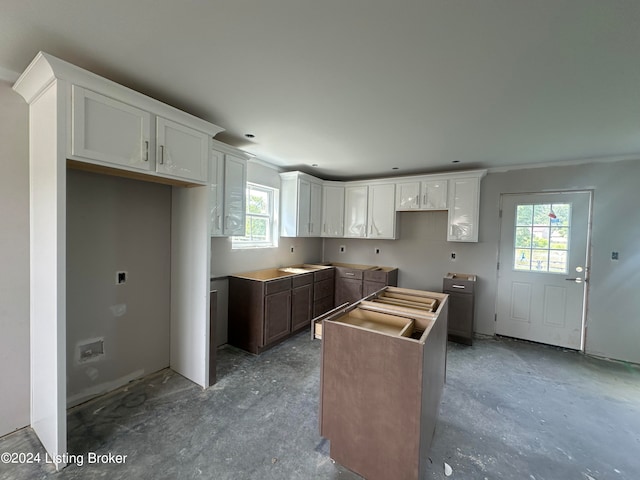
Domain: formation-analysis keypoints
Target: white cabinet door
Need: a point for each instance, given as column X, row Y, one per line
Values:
column 300, row 205
column 235, row 188
column 315, row 210
column 382, row 212
column 355, row 211
column 332, row 211
column 181, row 151
column 463, row 209
column 304, row 208
column 434, row 195
column 216, row 198
column 408, row 196
column 110, row 131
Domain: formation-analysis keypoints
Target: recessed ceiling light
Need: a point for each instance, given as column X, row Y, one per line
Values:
column 314, row 164
column 249, row 135
column 394, row 168
column 455, row 161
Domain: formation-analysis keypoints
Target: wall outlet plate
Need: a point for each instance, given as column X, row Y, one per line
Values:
column 121, row 277
column 342, row 248
column 376, row 251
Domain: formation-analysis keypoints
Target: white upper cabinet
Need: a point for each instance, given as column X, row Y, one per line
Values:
column 216, row 196
column 110, row 131
column 332, row 210
column 235, row 193
column 422, row 195
column 434, row 195
column 181, row 151
column 315, row 210
column 228, row 190
column 355, row 211
column 129, row 132
column 300, row 205
column 381, row 211
column 408, row 196
column 370, row 211
column 464, row 201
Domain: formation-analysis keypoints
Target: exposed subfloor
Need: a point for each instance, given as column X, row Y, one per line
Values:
column 510, row 410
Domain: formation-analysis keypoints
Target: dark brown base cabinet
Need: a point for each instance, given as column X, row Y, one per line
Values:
column 262, row 313
column 323, row 291
column 265, row 311
column 460, row 287
column 354, row 283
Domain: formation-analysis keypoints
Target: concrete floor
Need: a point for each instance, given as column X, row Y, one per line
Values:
column 510, row 410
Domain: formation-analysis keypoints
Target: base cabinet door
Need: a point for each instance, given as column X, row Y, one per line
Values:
column 348, row 290
column 277, row 316
column 461, row 317
column 301, row 302
column 371, row 287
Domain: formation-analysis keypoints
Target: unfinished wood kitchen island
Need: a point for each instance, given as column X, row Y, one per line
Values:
column 382, row 376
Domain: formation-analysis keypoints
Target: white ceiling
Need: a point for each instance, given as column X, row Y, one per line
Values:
column 361, row 86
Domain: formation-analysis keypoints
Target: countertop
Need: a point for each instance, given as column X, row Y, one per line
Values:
column 269, row 274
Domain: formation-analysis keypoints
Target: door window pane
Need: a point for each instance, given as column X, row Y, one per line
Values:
column 541, row 237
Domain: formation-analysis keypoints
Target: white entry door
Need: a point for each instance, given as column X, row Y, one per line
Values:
column 543, row 267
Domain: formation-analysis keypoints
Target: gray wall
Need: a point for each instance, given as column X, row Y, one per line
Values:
column 422, row 253
column 14, row 259
column 613, row 318
column 116, row 224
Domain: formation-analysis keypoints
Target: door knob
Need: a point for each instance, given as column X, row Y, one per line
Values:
column 577, row 280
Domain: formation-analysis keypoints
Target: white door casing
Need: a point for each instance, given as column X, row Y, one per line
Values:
column 543, row 267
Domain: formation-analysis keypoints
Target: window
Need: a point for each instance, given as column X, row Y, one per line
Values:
column 261, row 218
column 542, row 237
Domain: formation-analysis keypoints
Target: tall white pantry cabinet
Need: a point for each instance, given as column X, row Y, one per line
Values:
column 84, row 121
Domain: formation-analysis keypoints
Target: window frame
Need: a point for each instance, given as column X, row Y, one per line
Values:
column 532, row 248
column 245, row 242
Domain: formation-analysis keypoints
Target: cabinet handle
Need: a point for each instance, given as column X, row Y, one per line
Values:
column 146, row 150
column 424, row 199
column 350, row 274
column 324, row 228
column 417, row 199
column 457, row 286
column 161, row 154
column 219, row 222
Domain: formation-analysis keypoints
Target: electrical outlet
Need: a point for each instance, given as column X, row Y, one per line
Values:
column 292, row 249
column 343, row 248
column 376, row 251
column 453, row 256
column 615, row 256
column 121, row 278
